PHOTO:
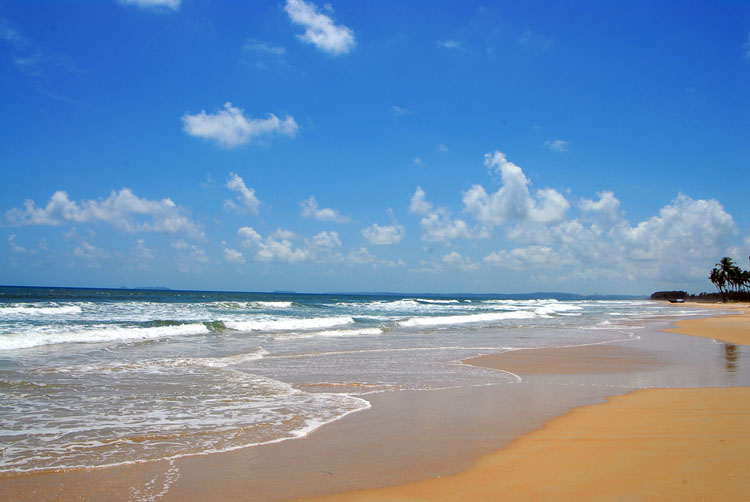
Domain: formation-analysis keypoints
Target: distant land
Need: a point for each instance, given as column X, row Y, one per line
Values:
column 503, row 296
column 146, row 288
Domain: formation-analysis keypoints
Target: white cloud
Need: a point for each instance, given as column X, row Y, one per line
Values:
column 121, row 209
column 684, row 231
column 230, row 128
column 529, row 257
column 437, row 224
column 154, row 4
column 418, row 161
column 746, row 46
column 454, row 259
column 513, row 201
column 557, row 145
column 324, row 241
column 16, row 248
column 399, row 111
column 264, row 55
column 233, row 256
column 253, row 45
column 419, row 204
column 142, row 252
column 272, row 249
column 451, row 44
column 310, row 209
column 607, row 207
column 245, row 196
column 383, row 236
column 320, row 29
column 442, row 148
column 320, row 248
column 680, row 243
column 89, row 251
column 361, row 256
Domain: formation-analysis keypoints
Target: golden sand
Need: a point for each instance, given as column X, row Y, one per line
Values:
column 671, row 444
column 732, row 328
column 676, row 444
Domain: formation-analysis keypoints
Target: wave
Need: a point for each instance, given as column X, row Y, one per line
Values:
column 289, row 323
column 465, row 319
column 438, row 302
column 334, row 333
column 251, row 305
column 30, row 309
column 223, row 362
column 96, row 334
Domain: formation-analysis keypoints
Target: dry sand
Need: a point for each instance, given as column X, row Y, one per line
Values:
column 674, row 444
column 733, row 328
column 679, row 444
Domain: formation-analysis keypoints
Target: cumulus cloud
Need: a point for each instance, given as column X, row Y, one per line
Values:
column 454, row 259
column 89, row 251
column 513, row 201
column 233, row 256
column 122, row 209
column 230, row 128
column 320, row 30
column 385, row 235
column 246, row 199
column 154, row 4
column 272, row 249
column 557, row 145
column 278, row 247
column 680, row 243
column 607, row 207
column 437, row 224
column 310, row 209
column 683, row 231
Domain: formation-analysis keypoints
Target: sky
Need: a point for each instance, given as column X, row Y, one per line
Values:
column 406, row 146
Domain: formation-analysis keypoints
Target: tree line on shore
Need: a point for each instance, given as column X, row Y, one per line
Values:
column 730, row 280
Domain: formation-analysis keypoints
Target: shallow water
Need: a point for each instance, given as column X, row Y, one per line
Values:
column 105, row 377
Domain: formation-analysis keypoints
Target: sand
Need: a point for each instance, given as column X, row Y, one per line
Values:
column 733, row 328
column 472, row 444
column 673, row 444
column 677, row 444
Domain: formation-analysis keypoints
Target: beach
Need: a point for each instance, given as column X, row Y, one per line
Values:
column 609, row 419
column 673, row 444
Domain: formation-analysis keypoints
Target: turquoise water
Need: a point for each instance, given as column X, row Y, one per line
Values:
column 102, row 377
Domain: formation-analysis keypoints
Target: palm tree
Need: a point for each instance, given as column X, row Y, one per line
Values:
column 717, row 277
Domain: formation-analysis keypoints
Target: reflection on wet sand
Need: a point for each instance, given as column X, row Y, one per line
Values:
column 731, row 355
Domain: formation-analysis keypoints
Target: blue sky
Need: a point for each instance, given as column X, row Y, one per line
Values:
column 407, row 146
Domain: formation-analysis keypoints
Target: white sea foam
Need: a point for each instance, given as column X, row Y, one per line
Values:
column 223, row 362
column 51, row 335
column 272, row 305
column 289, row 323
column 438, row 302
column 332, row 333
column 465, row 319
column 33, row 310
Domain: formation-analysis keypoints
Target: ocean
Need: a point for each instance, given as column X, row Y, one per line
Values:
column 94, row 377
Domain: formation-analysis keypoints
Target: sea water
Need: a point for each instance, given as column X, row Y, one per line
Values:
column 92, row 377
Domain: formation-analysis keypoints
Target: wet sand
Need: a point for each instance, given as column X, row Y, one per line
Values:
column 408, row 437
column 674, row 444
column 589, row 359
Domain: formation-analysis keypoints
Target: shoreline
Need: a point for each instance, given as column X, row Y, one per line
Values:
column 676, row 443
column 405, row 438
